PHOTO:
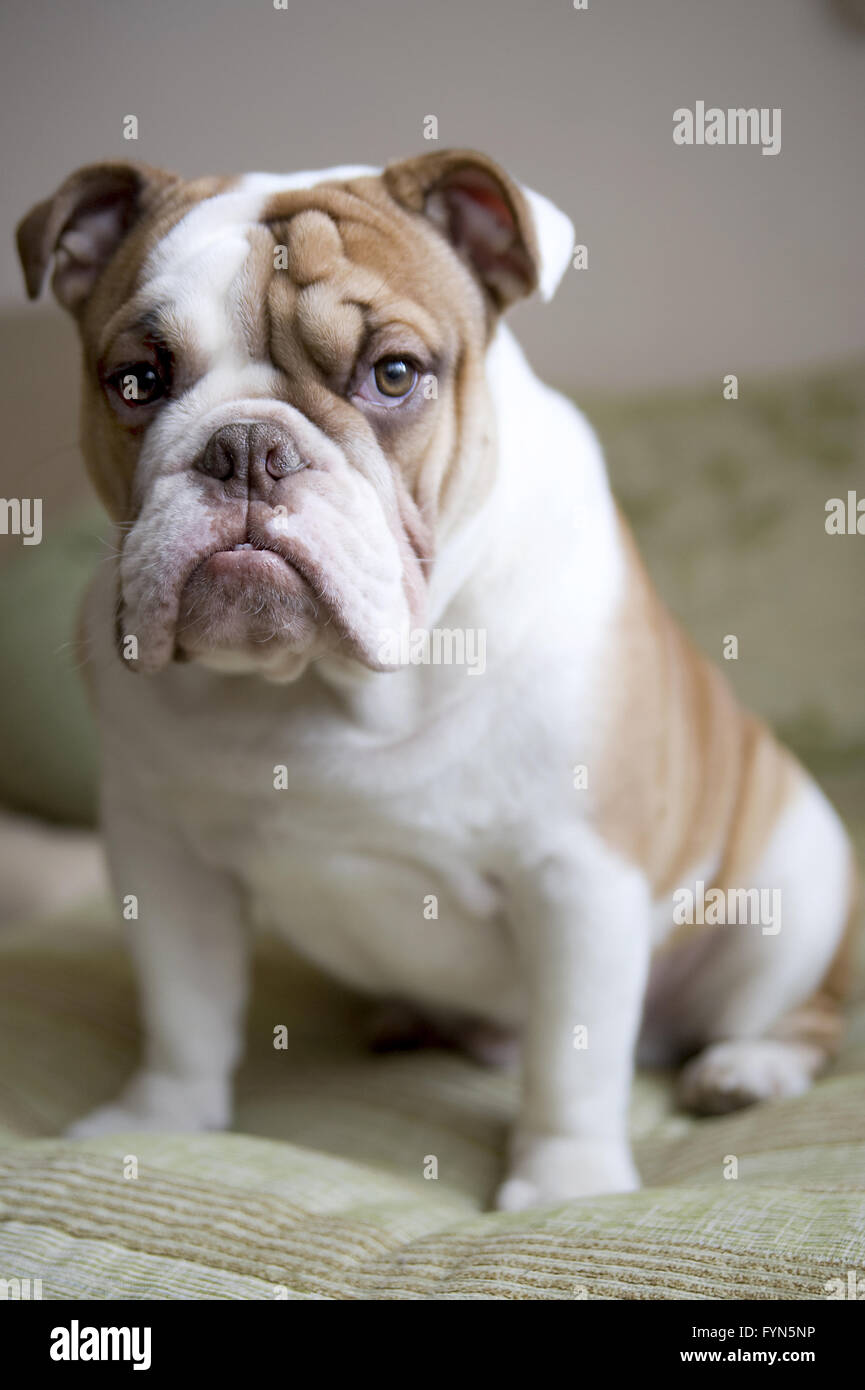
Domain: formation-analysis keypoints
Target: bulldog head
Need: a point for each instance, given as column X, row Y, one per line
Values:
column 284, row 402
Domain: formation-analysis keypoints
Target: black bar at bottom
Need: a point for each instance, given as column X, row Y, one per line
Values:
column 152, row 1338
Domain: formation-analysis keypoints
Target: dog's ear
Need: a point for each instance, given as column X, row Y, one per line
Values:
column 82, row 226
column 514, row 240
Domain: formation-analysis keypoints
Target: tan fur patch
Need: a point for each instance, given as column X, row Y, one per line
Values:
column 109, row 451
column 686, row 774
column 360, row 268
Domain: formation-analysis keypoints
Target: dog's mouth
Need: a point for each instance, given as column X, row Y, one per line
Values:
column 245, row 553
column 246, row 591
column 249, row 597
column 253, row 554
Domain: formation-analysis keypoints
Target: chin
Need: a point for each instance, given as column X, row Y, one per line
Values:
column 248, row 612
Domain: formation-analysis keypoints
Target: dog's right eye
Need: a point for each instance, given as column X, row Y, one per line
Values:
column 139, row 383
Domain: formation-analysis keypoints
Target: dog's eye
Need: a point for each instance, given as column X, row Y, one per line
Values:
column 140, row 383
column 390, row 382
column 394, row 376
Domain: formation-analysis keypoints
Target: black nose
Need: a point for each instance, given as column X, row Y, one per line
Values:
column 249, row 450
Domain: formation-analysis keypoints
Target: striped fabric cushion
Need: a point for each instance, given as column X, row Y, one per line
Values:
column 356, row 1176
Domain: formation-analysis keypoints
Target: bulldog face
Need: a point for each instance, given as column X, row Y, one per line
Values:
column 284, row 400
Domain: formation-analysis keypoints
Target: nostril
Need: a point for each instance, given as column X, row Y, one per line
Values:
column 282, row 458
column 217, row 461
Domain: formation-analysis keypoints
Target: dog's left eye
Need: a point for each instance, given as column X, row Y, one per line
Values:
column 140, row 383
column 390, row 382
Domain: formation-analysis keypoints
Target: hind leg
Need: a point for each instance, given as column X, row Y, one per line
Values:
column 764, row 1006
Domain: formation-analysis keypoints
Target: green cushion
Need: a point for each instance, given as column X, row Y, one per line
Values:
column 321, row 1193
column 47, row 736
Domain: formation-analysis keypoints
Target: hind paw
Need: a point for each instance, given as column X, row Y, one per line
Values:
column 730, row 1075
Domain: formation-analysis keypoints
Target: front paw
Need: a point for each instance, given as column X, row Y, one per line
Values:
column 545, row 1169
column 158, row 1103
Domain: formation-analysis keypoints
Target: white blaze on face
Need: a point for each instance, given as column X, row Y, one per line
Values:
column 197, row 264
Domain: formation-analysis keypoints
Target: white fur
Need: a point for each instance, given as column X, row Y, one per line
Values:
column 555, row 233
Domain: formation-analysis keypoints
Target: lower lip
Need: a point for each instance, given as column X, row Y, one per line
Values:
column 252, row 565
column 230, row 561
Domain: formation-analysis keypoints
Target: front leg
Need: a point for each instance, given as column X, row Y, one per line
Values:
column 189, row 951
column 582, row 920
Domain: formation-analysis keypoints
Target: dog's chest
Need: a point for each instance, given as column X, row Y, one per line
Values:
column 390, row 894
column 382, row 853
column 378, row 863
column 389, row 914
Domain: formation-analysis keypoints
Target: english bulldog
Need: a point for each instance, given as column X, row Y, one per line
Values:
column 318, row 440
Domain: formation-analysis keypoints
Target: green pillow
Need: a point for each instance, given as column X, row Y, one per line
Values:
column 47, row 734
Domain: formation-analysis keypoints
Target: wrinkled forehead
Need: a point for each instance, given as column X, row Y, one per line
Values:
column 292, row 268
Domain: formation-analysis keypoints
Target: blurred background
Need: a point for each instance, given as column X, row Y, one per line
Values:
column 702, row 261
